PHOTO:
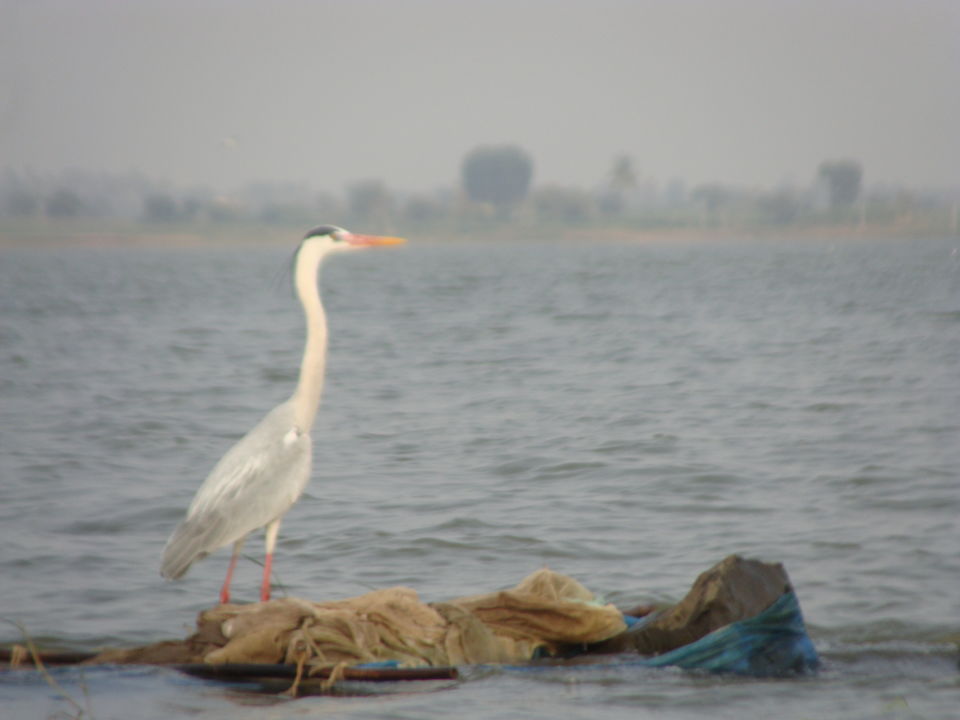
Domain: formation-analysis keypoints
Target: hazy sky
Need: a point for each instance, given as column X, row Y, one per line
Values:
column 220, row 92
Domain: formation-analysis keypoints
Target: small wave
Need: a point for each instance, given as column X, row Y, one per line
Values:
column 825, row 407
column 520, row 466
column 717, row 479
column 569, row 469
column 949, row 316
column 888, row 635
column 462, row 523
column 97, row 527
column 279, row 375
column 658, row 443
column 836, row 546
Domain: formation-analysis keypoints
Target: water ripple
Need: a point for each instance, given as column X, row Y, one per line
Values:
column 626, row 414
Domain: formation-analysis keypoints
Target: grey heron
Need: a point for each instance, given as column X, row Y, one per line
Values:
column 263, row 474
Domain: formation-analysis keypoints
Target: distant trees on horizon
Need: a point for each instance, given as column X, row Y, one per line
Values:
column 495, row 188
column 499, row 175
column 843, row 178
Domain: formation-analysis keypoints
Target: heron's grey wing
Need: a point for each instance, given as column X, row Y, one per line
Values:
column 193, row 539
column 255, row 482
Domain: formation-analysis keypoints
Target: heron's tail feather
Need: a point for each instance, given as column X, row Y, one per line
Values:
column 194, row 538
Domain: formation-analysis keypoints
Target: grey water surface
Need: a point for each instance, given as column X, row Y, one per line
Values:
column 628, row 414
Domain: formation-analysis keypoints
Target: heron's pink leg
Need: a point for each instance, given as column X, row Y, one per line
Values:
column 271, row 540
column 225, row 590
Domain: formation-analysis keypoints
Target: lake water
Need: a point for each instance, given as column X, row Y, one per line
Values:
column 628, row 414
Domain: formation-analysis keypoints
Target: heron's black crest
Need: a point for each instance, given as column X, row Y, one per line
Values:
column 321, row 230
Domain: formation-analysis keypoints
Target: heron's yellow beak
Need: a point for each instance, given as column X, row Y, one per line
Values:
column 371, row 240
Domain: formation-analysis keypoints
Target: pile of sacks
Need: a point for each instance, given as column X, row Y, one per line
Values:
column 544, row 614
column 547, row 614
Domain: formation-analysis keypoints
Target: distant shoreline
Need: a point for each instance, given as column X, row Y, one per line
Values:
column 55, row 235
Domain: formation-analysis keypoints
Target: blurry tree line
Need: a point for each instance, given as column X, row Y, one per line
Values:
column 495, row 188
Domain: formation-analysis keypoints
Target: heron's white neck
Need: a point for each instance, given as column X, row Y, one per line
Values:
column 306, row 397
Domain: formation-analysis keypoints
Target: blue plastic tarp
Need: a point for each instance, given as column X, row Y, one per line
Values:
column 772, row 644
